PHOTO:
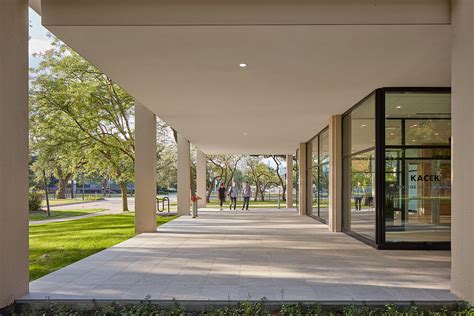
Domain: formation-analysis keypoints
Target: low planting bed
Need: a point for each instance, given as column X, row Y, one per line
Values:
column 262, row 307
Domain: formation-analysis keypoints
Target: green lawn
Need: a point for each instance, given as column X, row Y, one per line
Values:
column 56, row 245
column 39, row 216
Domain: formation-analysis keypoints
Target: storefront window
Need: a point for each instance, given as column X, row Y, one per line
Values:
column 323, row 186
column 313, row 176
column 359, row 169
column 318, row 175
column 418, row 167
column 296, row 178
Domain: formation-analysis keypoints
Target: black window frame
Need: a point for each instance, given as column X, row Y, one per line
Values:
column 380, row 161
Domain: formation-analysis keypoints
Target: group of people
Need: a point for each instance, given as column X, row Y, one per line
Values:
column 233, row 193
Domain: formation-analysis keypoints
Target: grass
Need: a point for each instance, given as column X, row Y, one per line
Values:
column 39, row 216
column 56, row 245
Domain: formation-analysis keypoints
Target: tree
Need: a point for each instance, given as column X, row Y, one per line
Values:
column 222, row 168
column 278, row 163
column 166, row 152
column 83, row 117
column 260, row 175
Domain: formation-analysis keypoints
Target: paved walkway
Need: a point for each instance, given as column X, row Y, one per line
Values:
column 73, row 218
column 110, row 206
column 239, row 255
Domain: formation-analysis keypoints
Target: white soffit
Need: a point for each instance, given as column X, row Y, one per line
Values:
column 297, row 75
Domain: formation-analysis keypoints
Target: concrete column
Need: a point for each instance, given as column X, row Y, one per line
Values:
column 302, row 171
column 462, row 209
column 145, row 169
column 289, row 181
column 201, row 174
column 184, row 176
column 335, row 173
column 14, row 150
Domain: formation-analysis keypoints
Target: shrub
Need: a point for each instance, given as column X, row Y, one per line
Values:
column 35, row 198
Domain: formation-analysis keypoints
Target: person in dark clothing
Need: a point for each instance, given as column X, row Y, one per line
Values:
column 222, row 191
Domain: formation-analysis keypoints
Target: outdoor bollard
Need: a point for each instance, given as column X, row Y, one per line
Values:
column 195, row 209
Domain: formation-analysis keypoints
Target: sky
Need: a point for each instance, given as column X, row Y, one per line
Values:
column 39, row 41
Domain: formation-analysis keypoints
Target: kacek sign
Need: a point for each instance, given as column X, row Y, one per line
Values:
column 426, row 177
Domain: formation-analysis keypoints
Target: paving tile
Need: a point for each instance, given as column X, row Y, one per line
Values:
column 263, row 253
column 219, row 293
column 181, row 293
column 257, row 293
column 297, row 293
column 142, row 291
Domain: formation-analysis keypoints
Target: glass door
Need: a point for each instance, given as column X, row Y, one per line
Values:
column 419, row 200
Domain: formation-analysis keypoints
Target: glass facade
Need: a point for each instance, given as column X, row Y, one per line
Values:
column 417, row 167
column 397, row 168
column 296, row 180
column 359, row 169
column 318, row 176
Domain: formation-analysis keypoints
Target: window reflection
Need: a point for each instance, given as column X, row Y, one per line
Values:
column 314, row 176
column 323, row 186
column 417, row 177
column 359, row 169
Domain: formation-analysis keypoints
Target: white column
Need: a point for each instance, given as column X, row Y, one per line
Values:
column 184, row 176
column 335, row 173
column 145, row 169
column 14, row 150
column 289, row 181
column 462, row 227
column 302, row 170
column 201, row 183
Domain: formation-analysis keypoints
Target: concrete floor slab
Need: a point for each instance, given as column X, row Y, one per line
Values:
column 232, row 255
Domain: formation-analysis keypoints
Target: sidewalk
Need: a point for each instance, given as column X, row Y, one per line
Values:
column 73, row 218
column 222, row 256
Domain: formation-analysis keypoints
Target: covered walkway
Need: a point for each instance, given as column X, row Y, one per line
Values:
column 240, row 255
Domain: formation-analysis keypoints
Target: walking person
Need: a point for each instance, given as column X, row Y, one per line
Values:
column 222, row 191
column 233, row 193
column 358, row 194
column 246, row 193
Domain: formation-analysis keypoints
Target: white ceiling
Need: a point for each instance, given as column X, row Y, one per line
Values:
column 297, row 76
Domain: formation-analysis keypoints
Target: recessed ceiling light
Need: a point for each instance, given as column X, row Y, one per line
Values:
column 391, row 134
column 413, row 140
column 398, row 106
column 242, row 65
column 363, row 125
column 245, row 133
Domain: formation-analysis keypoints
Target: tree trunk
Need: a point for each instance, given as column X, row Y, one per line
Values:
column 62, row 185
column 209, row 191
column 104, row 186
column 123, row 189
column 193, row 180
column 262, row 194
column 282, row 183
column 257, row 190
